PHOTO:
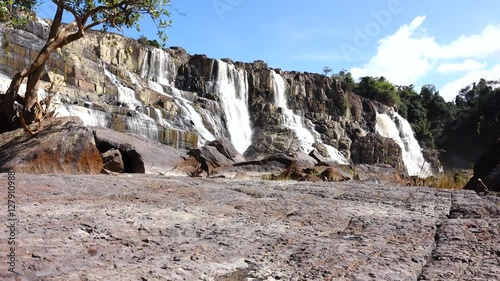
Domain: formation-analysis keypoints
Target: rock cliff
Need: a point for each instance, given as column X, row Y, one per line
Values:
column 186, row 100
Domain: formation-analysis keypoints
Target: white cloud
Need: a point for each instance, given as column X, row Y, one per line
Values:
column 409, row 54
column 466, row 65
column 473, row 46
column 401, row 57
column 450, row 90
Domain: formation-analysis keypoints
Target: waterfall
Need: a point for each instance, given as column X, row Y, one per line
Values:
column 142, row 125
column 231, row 86
column 90, row 117
column 399, row 129
column 125, row 95
column 296, row 123
column 194, row 116
column 156, row 67
column 291, row 120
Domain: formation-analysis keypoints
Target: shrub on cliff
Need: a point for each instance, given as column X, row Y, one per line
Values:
column 378, row 89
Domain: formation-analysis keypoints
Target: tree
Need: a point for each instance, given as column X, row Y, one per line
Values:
column 378, row 89
column 87, row 14
column 327, row 70
column 143, row 40
column 10, row 10
column 347, row 78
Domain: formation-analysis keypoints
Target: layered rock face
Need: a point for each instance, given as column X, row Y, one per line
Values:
column 184, row 101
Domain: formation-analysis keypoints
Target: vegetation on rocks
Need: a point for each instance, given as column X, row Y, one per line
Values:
column 439, row 124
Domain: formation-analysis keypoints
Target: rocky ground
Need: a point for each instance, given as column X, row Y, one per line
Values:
column 146, row 227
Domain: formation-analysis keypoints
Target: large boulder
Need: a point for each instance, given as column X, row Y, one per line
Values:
column 226, row 148
column 139, row 154
column 487, row 171
column 215, row 154
column 64, row 145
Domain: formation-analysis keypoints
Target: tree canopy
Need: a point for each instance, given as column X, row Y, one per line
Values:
column 473, row 116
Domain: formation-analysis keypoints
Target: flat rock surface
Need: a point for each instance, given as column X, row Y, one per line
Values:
column 147, row 227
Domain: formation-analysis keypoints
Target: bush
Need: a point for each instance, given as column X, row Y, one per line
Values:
column 143, row 40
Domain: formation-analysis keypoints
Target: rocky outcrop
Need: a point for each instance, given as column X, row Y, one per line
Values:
column 140, row 155
column 65, row 145
column 487, row 171
column 171, row 96
column 213, row 155
column 375, row 149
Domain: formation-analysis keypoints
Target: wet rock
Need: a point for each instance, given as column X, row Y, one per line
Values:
column 63, row 146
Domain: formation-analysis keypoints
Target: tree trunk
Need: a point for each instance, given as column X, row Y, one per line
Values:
column 33, row 72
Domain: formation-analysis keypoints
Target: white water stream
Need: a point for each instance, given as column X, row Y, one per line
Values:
column 399, row 129
column 295, row 122
column 231, row 86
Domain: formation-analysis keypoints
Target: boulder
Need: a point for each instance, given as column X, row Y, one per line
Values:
column 64, row 145
column 333, row 174
column 113, row 161
column 215, row 154
column 292, row 172
column 211, row 156
column 139, row 154
column 226, row 148
column 487, row 171
column 317, row 156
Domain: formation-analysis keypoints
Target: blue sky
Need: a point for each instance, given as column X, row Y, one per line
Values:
column 446, row 43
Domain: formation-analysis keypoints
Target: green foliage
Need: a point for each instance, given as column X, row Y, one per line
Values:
column 119, row 14
column 16, row 12
column 143, row 40
column 108, row 14
column 477, row 109
column 378, row 89
column 346, row 77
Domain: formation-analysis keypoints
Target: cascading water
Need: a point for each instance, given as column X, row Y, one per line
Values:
column 90, row 117
column 296, row 123
column 231, row 86
column 398, row 129
column 191, row 112
column 156, row 67
column 125, row 95
column 143, row 125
